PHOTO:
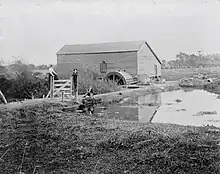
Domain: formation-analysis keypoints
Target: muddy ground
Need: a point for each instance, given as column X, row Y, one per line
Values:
column 107, row 97
column 44, row 139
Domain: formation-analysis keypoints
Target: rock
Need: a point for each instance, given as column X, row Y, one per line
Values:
column 201, row 113
column 152, row 104
column 178, row 100
column 168, row 103
column 209, row 80
column 123, row 100
column 181, row 110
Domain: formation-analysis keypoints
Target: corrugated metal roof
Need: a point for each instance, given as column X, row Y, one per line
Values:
column 101, row 47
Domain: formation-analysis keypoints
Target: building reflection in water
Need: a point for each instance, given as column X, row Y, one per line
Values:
column 145, row 112
column 140, row 112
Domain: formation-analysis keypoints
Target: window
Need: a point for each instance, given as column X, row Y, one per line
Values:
column 103, row 67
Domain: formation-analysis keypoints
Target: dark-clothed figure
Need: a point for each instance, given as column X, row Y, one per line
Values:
column 89, row 92
column 89, row 101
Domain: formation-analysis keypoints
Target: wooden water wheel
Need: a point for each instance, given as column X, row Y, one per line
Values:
column 120, row 77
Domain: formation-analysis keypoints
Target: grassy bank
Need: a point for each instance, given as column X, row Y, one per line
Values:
column 45, row 139
column 186, row 80
column 213, row 87
column 177, row 74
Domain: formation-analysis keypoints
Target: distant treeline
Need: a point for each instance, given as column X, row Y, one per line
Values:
column 184, row 60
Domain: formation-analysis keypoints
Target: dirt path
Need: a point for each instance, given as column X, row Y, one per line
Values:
column 143, row 90
column 20, row 104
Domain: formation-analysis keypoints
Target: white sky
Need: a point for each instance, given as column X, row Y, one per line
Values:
column 37, row 29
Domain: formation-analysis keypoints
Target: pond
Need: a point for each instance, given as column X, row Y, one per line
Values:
column 184, row 107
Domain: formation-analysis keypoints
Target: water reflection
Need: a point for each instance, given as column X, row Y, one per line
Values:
column 146, row 112
column 141, row 111
column 191, row 103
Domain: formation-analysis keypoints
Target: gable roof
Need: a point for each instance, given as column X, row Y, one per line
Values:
column 111, row 47
column 101, row 47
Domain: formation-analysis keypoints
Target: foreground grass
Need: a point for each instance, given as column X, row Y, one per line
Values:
column 43, row 139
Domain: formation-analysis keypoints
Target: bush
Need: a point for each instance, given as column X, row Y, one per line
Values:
column 20, row 83
column 88, row 78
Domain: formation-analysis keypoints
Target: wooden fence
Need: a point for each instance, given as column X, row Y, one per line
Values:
column 63, row 87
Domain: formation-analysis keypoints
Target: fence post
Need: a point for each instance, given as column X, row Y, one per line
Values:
column 51, row 86
column 71, row 86
column 62, row 96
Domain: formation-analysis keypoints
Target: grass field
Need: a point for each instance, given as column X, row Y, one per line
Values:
column 177, row 74
column 44, row 139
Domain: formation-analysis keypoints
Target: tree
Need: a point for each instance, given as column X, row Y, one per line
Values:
column 31, row 66
column 42, row 67
column 195, row 60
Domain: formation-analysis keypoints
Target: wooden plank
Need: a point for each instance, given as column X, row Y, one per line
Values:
column 63, row 86
column 64, row 89
column 3, row 97
column 48, row 94
column 57, row 81
column 58, row 92
column 60, row 85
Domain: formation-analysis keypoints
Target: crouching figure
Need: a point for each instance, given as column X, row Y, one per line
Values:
column 88, row 102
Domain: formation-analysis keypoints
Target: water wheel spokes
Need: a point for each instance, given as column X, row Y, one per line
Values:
column 119, row 81
column 116, row 78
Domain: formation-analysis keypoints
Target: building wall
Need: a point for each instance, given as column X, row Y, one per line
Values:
column 147, row 61
column 115, row 61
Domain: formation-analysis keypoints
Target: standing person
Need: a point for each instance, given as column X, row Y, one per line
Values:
column 52, row 73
